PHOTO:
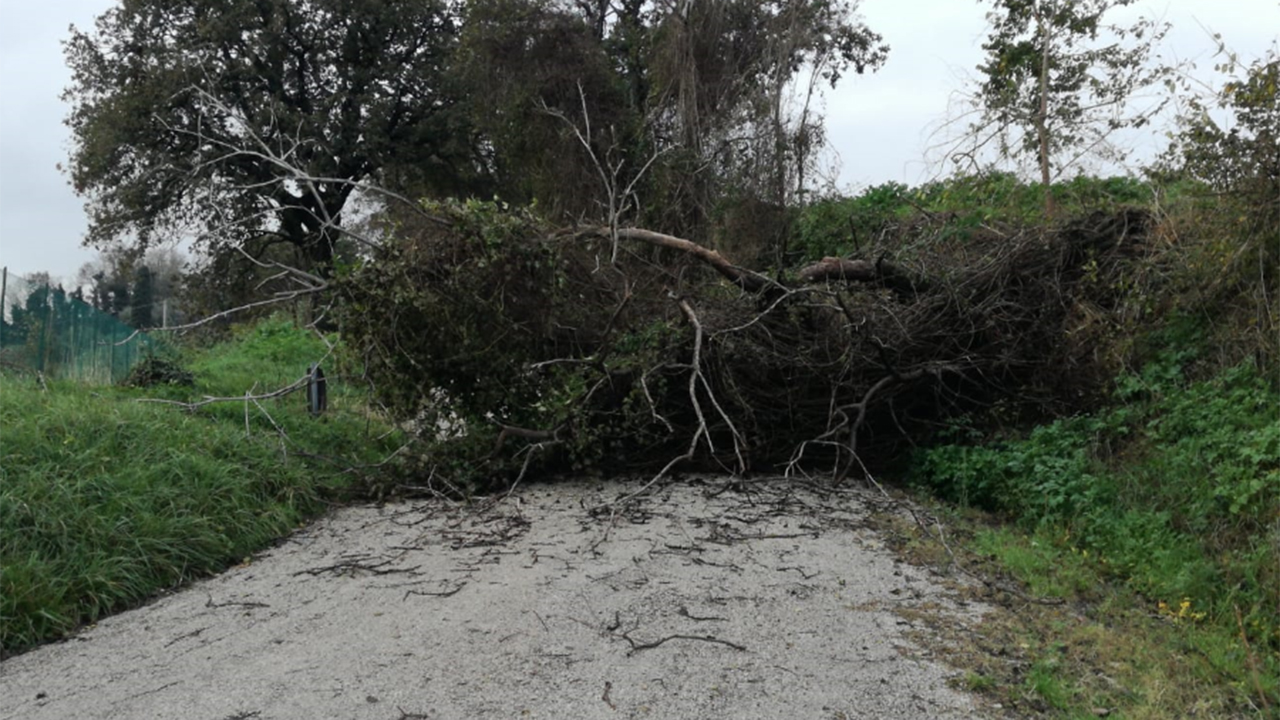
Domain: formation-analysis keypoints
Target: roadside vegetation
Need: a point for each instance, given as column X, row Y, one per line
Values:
column 1132, row 546
column 107, row 498
column 1136, row 536
column 1155, row 522
column 1081, row 373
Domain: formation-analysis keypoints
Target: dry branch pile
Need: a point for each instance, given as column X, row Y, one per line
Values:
column 515, row 346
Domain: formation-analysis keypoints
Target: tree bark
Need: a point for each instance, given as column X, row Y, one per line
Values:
column 748, row 280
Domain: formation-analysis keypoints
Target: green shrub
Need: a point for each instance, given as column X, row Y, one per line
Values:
column 1178, row 493
column 841, row 226
column 868, row 222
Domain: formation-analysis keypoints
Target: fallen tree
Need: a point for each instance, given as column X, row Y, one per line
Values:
column 514, row 346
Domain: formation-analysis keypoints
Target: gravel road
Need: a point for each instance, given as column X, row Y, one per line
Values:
column 771, row 599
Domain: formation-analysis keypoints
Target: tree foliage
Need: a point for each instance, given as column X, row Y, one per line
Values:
column 1226, row 157
column 684, row 103
column 113, row 283
column 1057, row 81
column 510, row 344
column 1240, row 155
column 249, row 123
column 529, row 56
column 141, row 309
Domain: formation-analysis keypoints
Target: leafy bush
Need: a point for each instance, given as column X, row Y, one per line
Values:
column 874, row 220
column 841, row 226
column 1177, row 493
column 1240, row 158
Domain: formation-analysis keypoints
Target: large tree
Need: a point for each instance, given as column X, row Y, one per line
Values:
column 248, row 123
column 583, row 97
column 1058, row 80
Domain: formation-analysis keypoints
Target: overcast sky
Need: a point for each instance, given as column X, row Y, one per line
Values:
column 880, row 126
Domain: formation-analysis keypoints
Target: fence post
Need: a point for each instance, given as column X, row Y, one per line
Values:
column 71, row 358
column 46, row 344
column 317, row 390
column 4, row 289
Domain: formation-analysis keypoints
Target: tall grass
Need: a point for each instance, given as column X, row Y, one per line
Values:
column 106, row 499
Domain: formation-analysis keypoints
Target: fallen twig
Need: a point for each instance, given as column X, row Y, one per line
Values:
column 446, row 593
column 684, row 612
column 375, row 569
column 209, row 400
column 210, row 603
column 637, row 647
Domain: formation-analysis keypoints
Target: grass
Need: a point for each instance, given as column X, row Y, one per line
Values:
column 105, row 500
column 1038, row 562
column 1087, row 646
column 1130, row 654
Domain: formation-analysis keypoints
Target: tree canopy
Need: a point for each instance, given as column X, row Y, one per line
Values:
column 1057, row 80
column 581, row 100
column 1243, row 156
column 251, row 123
column 248, row 124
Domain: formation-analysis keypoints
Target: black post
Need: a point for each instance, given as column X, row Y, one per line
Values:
column 317, row 392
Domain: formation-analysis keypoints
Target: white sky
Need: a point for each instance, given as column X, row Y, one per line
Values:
column 879, row 125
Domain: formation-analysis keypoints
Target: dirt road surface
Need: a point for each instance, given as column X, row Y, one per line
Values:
column 704, row 600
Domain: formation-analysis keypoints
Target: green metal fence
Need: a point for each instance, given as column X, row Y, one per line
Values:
column 49, row 330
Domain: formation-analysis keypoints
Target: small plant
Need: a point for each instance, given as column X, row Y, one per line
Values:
column 1183, row 613
column 1045, row 680
column 156, row 370
column 977, row 682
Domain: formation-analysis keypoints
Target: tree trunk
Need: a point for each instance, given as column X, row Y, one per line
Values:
column 1042, row 118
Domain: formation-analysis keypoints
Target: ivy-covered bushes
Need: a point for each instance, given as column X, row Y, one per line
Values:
column 1175, row 489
